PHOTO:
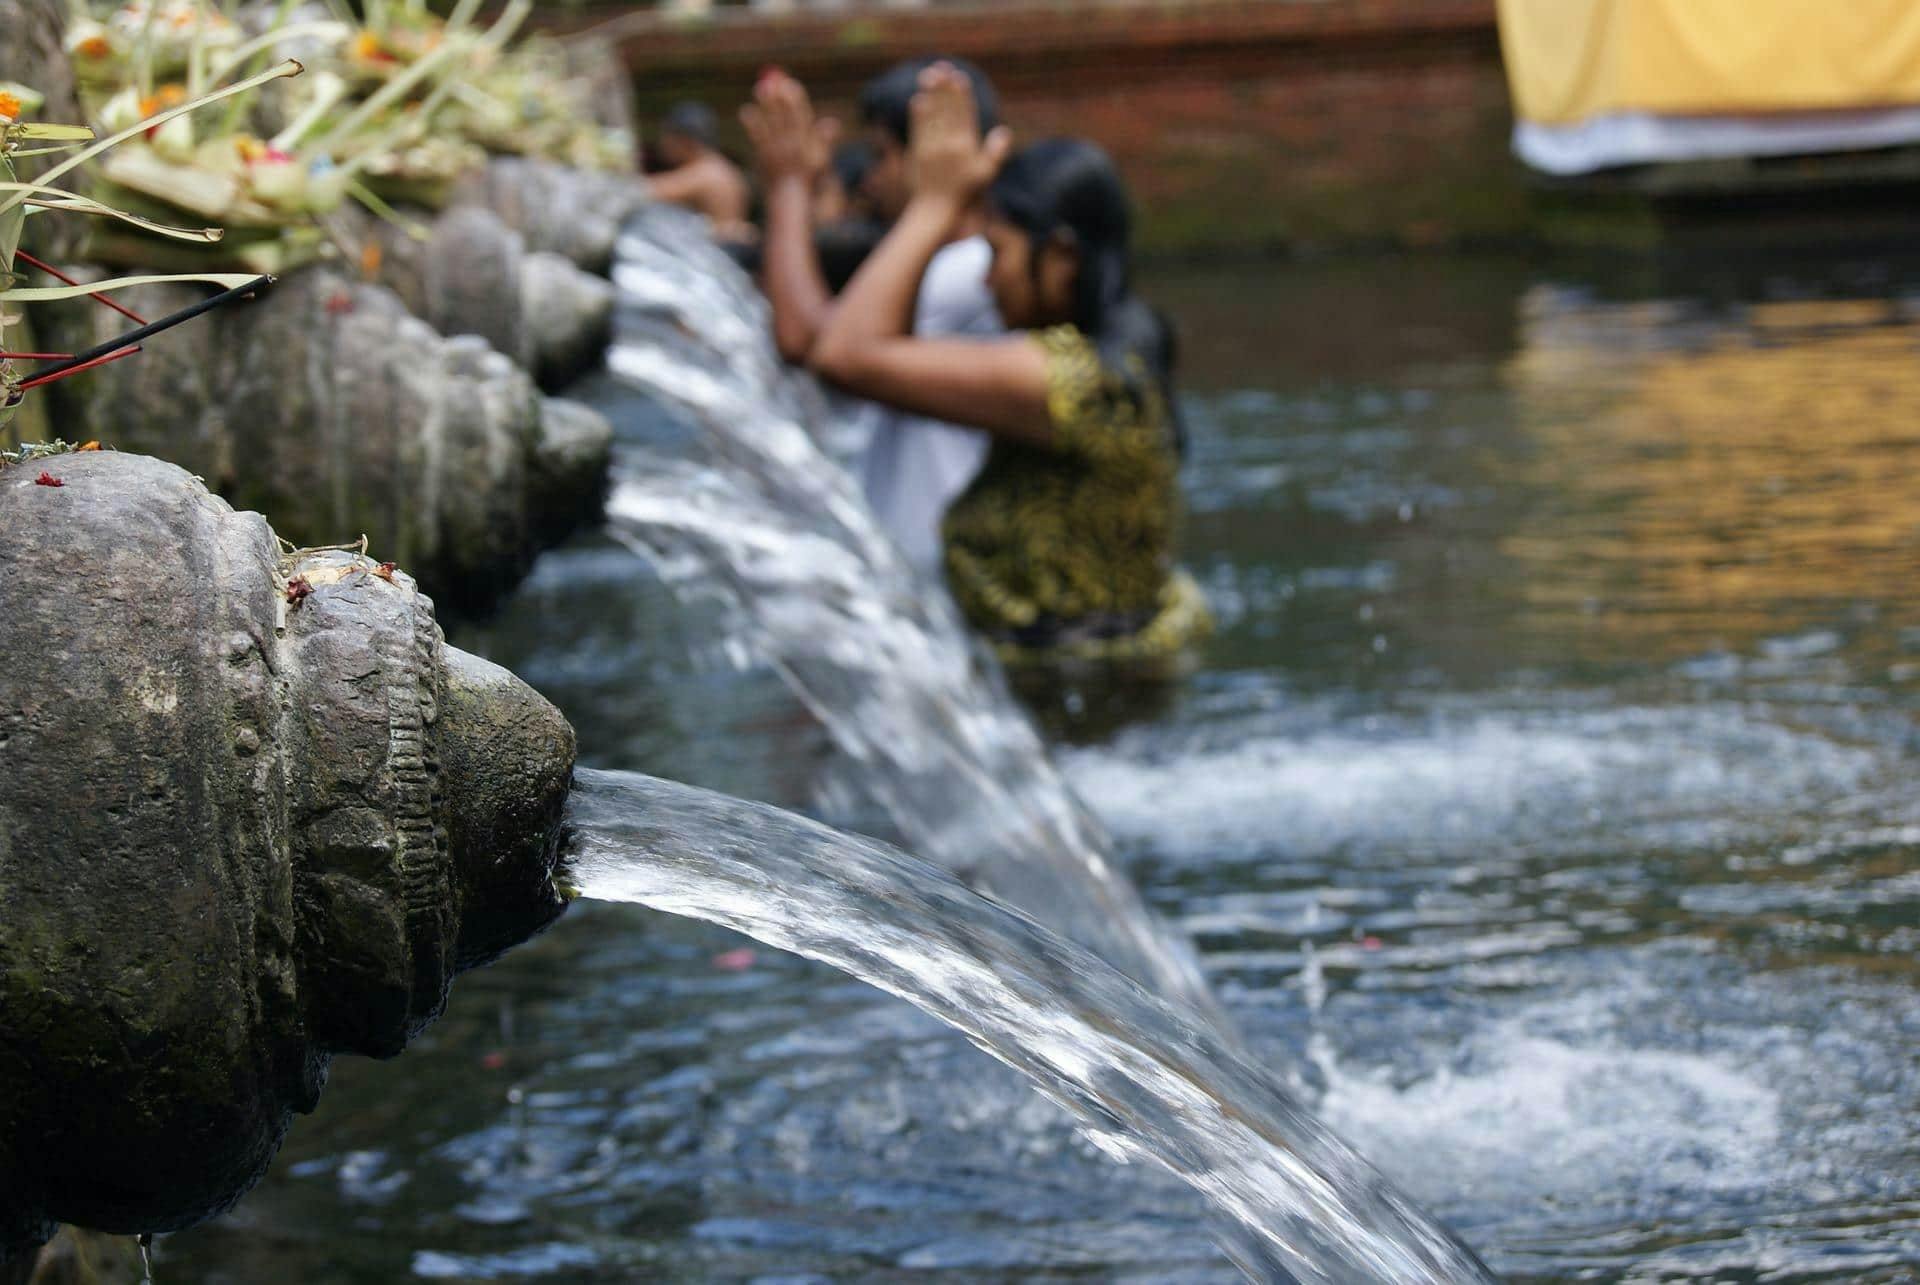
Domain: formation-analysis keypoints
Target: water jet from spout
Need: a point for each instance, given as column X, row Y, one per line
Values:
column 1294, row 1202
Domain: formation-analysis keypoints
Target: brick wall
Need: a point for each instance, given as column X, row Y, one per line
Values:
column 1239, row 123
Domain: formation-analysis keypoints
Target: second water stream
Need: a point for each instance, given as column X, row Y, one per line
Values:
column 761, row 522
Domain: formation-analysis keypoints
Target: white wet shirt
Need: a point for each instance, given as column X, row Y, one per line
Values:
column 914, row 467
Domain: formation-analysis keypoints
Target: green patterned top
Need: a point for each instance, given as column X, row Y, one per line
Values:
column 1072, row 539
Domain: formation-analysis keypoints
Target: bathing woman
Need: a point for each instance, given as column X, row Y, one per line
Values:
column 1063, row 545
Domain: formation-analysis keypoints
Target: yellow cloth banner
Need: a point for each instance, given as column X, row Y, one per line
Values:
column 1570, row 60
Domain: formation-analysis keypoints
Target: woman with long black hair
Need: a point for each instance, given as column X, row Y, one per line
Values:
column 1063, row 545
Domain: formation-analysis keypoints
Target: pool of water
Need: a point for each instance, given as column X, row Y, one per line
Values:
column 1544, row 794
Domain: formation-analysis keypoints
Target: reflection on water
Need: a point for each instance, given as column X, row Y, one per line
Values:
column 1548, row 782
column 1701, row 477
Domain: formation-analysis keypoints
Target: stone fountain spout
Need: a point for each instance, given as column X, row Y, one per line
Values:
column 254, row 812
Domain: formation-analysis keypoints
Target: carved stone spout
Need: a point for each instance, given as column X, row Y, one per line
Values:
column 326, row 406
column 473, row 275
column 254, row 812
column 558, row 210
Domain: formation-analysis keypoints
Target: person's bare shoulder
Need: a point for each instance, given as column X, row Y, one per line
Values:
column 727, row 190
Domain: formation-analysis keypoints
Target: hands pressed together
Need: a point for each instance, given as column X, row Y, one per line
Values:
column 948, row 160
column 789, row 141
column 863, row 340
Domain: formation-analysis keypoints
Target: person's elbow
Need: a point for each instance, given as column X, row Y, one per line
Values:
column 849, row 363
column 794, row 343
column 835, row 360
column 797, row 327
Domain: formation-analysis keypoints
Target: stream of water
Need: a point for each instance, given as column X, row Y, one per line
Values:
column 1143, row 1078
column 759, row 520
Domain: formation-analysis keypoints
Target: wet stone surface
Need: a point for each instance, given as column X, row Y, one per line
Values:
column 330, row 408
column 244, row 830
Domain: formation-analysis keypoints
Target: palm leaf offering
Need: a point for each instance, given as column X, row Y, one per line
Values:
column 533, row 105
column 22, row 137
column 396, row 109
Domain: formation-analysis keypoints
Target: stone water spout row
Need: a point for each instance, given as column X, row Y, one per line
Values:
column 254, row 812
column 577, row 214
column 463, row 271
column 321, row 407
column 327, row 406
column 473, row 275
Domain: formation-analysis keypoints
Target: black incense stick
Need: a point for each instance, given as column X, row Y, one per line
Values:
column 167, row 322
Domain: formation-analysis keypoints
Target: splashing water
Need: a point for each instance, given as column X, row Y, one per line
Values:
column 767, row 527
column 1143, row 1080
column 771, row 529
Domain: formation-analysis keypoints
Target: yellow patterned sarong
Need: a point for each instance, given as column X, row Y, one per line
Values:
column 1066, row 550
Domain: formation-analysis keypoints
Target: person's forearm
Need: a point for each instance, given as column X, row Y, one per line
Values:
column 790, row 269
column 878, row 303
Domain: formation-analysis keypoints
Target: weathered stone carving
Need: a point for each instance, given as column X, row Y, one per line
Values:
column 328, row 407
column 473, row 275
column 253, row 813
column 574, row 213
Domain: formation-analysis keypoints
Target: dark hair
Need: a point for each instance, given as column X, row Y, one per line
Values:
column 692, row 120
column 851, row 161
column 1068, row 185
column 887, row 100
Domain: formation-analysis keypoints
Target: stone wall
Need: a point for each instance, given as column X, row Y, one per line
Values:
column 1255, row 123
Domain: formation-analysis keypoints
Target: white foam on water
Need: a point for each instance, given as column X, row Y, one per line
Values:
column 1449, row 784
column 525, row 1263
column 1531, row 1118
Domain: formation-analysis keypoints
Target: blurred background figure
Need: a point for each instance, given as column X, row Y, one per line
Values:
column 1064, row 542
column 693, row 172
column 845, row 227
column 913, row 466
column 840, row 195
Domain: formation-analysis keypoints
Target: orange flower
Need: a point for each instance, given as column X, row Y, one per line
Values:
column 9, row 105
column 161, row 99
column 93, row 47
column 370, row 257
column 367, row 46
